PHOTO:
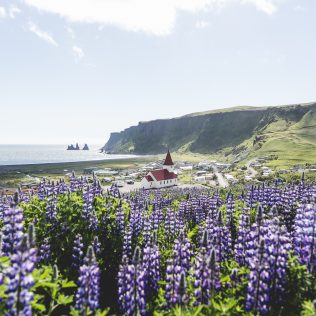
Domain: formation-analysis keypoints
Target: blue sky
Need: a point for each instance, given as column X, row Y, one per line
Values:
column 76, row 70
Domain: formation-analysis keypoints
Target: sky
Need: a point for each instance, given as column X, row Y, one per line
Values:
column 77, row 70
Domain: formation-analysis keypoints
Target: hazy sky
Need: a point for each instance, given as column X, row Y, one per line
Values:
column 76, row 70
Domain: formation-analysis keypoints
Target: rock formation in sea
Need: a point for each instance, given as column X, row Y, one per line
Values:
column 72, row 147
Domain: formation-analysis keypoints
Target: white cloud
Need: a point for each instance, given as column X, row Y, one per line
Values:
column 201, row 24
column 299, row 7
column 78, row 52
column 41, row 34
column 267, row 6
column 14, row 11
column 150, row 16
column 3, row 12
column 70, row 31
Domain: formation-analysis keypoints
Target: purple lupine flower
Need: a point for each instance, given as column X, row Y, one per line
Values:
column 120, row 220
column 234, row 279
column 170, row 224
column 257, row 299
column 88, row 212
column 12, row 230
column 181, row 286
column 240, row 245
column 1, row 273
column 51, row 210
column 278, row 245
column 127, row 242
column 304, row 235
column 206, row 274
column 222, row 238
column 258, row 231
column 96, row 246
column 20, row 278
column 45, row 251
column 114, row 191
column 136, row 220
column 180, row 262
column 172, row 276
column 230, row 205
column 156, row 217
column 87, row 296
column 124, row 285
column 131, row 286
column 199, row 214
column 182, row 252
column 77, row 254
column 3, row 206
column 147, row 230
column 151, row 264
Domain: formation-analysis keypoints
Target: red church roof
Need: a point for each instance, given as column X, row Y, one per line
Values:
column 163, row 174
column 168, row 160
column 149, row 178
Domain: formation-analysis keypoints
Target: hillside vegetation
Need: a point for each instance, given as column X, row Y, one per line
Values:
column 234, row 134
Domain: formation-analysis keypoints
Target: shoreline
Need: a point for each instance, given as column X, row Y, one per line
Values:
column 74, row 165
column 11, row 176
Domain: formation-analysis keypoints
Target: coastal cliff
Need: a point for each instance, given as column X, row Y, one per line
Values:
column 209, row 132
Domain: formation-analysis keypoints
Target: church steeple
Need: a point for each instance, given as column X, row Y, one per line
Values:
column 168, row 164
column 168, row 160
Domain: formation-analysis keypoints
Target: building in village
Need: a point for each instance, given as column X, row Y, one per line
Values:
column 161, row 178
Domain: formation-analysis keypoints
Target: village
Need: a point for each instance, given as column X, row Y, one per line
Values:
column 167, row 173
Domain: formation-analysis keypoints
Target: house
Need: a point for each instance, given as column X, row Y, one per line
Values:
column 186, row 168
column 200, row 173
column 105, row 172
column 161, row 178
column 230, row 177
column 200, row 179
column 89, row 170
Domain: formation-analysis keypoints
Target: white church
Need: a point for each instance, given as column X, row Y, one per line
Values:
column 161, row 178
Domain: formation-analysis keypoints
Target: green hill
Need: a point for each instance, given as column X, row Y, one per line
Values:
column 234, row 134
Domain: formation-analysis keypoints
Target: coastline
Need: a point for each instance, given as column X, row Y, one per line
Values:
column 11, row 176
column 57, row 167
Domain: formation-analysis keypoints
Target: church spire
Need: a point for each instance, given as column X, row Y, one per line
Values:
column 168, row 160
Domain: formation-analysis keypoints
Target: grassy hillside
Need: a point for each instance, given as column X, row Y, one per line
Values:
column 225, row 110
column 233, row 134
column 293, row 142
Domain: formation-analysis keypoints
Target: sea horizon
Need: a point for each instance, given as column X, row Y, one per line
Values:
column 27, row 154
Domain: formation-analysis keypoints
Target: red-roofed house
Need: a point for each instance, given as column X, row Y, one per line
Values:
column 161, row 178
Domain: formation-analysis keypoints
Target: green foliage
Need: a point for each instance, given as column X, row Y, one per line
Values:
column 52, row 292
column 309, row 308
column 300, row 287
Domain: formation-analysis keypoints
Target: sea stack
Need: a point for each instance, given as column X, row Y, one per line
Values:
column 85, row 147
column 72, row 147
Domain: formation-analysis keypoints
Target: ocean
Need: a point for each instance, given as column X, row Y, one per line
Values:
column 37, row 154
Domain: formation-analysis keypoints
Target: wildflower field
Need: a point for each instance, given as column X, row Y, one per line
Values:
column 77, row 249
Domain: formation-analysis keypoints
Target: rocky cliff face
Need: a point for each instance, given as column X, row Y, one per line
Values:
column 202, row 132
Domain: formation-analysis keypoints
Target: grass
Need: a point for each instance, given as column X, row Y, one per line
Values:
column 11, row 176
column 294, row 144
column 225, row 110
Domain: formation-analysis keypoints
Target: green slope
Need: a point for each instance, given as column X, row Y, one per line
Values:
column 233, row 134
column 293, row 142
